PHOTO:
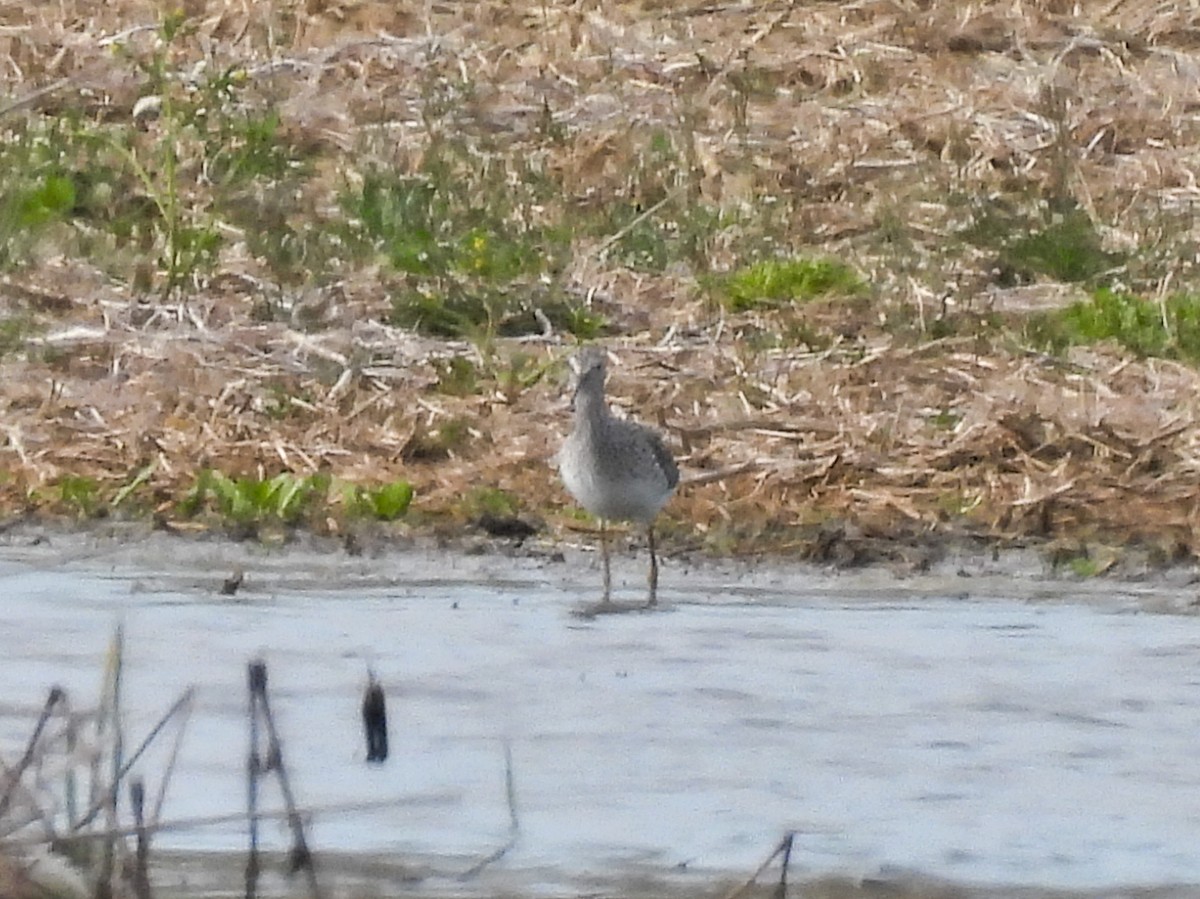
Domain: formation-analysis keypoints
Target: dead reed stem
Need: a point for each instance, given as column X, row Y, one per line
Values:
column 254, row 765
column 374, row 716
column 141, row 871
column 13, row 776
column 784, row 850
column 514, row 822
column 300, row 857
column 110, row 794
column 110, row 719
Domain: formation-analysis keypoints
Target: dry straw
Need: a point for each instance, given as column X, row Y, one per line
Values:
column 851, row 115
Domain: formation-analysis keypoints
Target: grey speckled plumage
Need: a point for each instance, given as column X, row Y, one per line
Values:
column 618, row 470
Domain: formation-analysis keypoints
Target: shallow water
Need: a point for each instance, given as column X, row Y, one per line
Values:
column 983, row 739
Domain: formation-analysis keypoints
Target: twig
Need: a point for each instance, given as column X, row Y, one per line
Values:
column 784, row 848
column 300, row 858
column 185, row 702
column 110, row 713
column 111, row 793
column 183, row 824
column 608, row 242
column 13, row 777
column 31, row 98
column 258, row 685
column 695, row 480
column 514, row 823
column 374, row 715
column 141, row 871
column 781, row 887
column 71, row 787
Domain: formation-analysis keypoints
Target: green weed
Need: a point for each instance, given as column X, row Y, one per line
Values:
column 1145, row 328
column 81, row 495
column 126, row 494
column 1068, row 249
column 36, row 192
column 945, row 420
column 675, row 232
column 432, row 444
column 470, row 235
column 456, row 376
column 15, row 331
column 139, row 183
column 579, row 321
column 1083, row 566
column 456, row 312
column 248, row 502
column 493, row 502
column 1060, row 243
column 384, row 503
column 283, row 401
column 518, row 373
column 956, row 504
column 778, row 282
column 52, row 197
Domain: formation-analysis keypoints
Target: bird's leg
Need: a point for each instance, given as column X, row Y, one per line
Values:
column 604, row 556
column 653, row 600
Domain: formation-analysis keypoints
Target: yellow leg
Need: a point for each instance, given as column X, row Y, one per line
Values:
column 653, row 600
column 604, row 556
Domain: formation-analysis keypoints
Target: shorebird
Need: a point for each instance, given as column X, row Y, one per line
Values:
column 618, row 470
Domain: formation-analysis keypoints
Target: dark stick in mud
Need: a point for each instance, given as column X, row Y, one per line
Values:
column 374, row 715
column 300, row 857
column 184, row 705
column 13, row 777
column 71, row 784
column 783, row 848
column 258, row 687
column 514, row 823
column 781, row 888
column 141, row 871
column 110, row 795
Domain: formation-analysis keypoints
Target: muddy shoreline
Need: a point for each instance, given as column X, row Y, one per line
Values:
column 367, row 874
column 953, row 568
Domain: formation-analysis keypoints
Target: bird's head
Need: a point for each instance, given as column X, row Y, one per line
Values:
column 588, row 367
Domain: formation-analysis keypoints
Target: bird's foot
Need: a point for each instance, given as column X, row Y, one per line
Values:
column 607, row 607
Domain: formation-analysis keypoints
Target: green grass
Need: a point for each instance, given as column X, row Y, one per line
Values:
column 773, row 283
column 436, row 443
column 248, row 505
column 1083, row 566
column 1068, row 248
column 146, row 200
column 386, row 502
column 15, row 330
column 476, row 239
column 244, row 504
column 945, row 420
column 1144, row 327
column 517, row 373
column 1060, row 243
column 37, row 191
column 456, row 376
column 81, row 495
column 491, row 501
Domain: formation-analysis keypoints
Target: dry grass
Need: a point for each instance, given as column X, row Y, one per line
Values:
column 672, row 142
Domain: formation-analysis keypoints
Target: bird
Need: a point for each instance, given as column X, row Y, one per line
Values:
column 618, row 470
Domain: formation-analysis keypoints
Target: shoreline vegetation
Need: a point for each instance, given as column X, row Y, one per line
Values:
column 888, row 278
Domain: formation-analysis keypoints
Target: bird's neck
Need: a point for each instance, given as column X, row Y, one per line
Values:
column 590, row 409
